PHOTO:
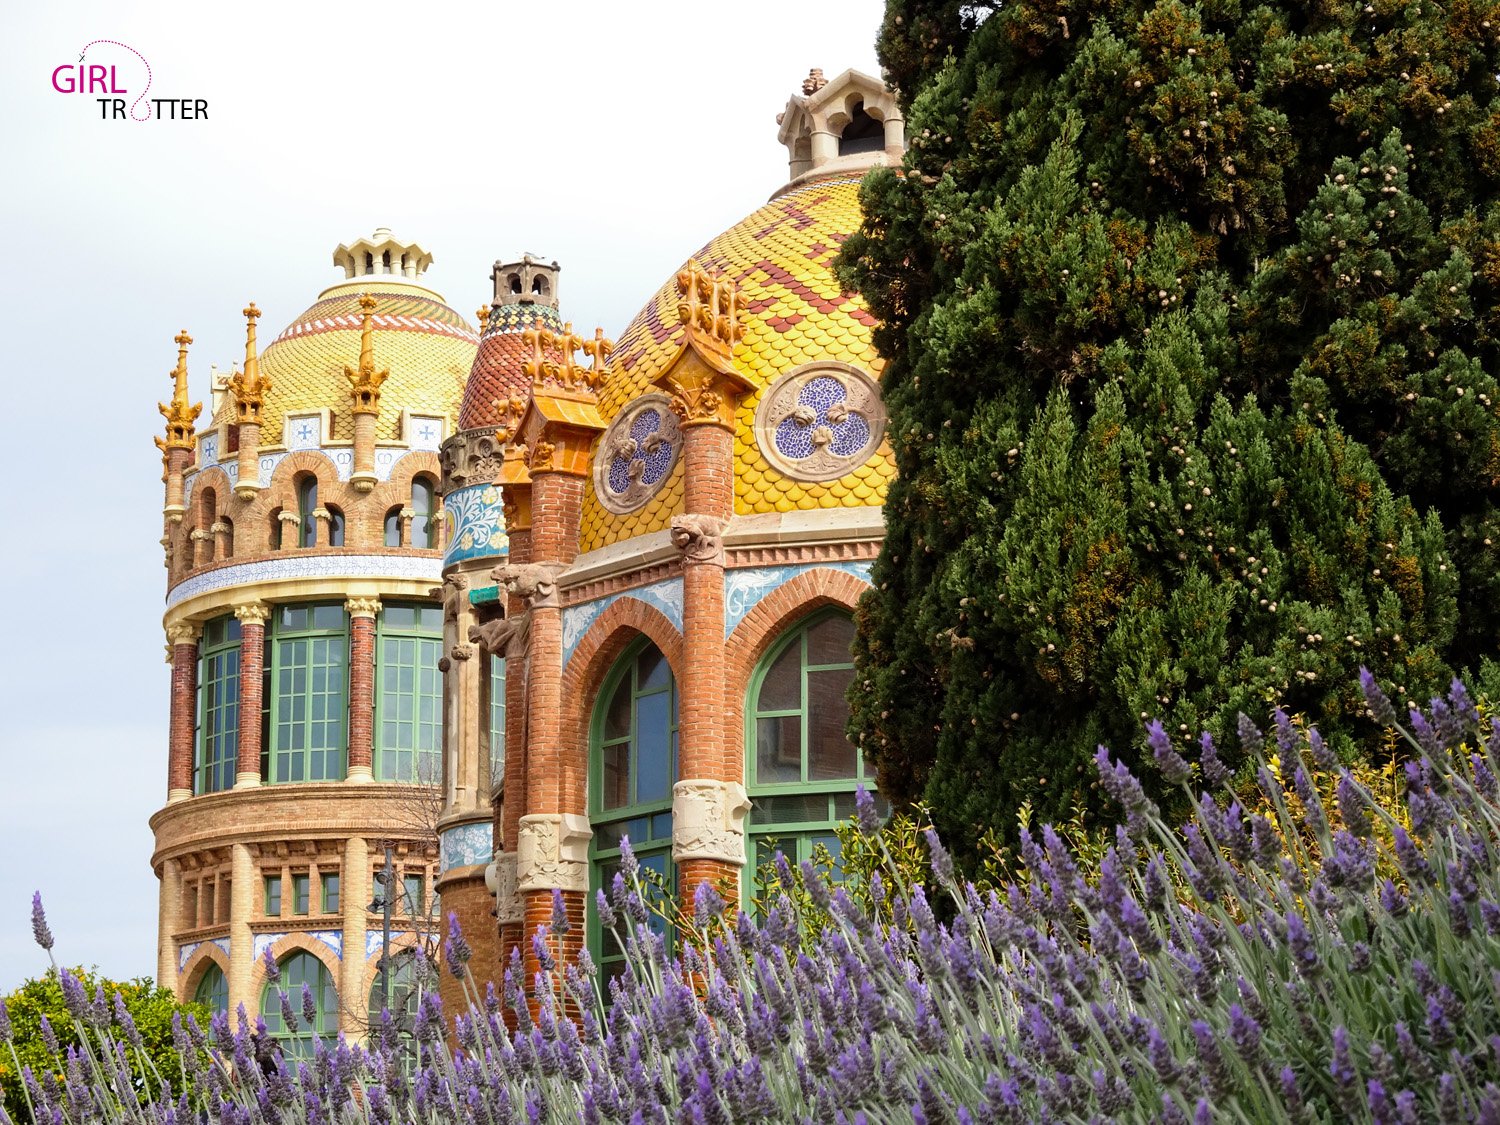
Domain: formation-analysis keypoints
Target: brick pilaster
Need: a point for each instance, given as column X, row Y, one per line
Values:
column 354, row 894
column 513, row 799
column 184, row 642
column 168, row 922
column 362, row 612
column 252, row 618
column 244, row 894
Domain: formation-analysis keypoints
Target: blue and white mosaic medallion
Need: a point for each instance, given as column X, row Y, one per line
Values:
column 820, row 421
column 476, row 523
column 465, row 845
column 636, row 454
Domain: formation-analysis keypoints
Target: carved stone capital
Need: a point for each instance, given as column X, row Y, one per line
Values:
column 536, row 583
column 552, row 852
column 252, row 613
column 708, row 821
column 184, row 633
column 362, row 607
column 321, row 514
column 699, row 538
column 198, row 535
column 290, row 517
column 501, row 880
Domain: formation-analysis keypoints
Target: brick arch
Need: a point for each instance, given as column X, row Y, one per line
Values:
column 606, row 640
column 282, row 493
column 395, row 492
column 769, row 620
column 292, row 943
column 205, row 955
column 406, row 939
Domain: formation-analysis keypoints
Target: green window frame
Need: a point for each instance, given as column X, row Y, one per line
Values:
column 217, row 738
column 409, row 694
column 307, row 503
column 497, row 720
column 423, row 526
column 305, row 722
column 301, row 893
column 273, row 896
column 633, row 756
column 330, row 891
column 801, row 767
column 411, row 895
column 297, row 969
column 213, row 989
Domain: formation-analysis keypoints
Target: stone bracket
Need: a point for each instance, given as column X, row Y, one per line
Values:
column 552, row 852
column 699, row 538
column 708, row 821
column 500, row 879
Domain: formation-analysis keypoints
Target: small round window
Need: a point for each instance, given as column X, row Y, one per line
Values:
column 636, row 455
column 820, row 421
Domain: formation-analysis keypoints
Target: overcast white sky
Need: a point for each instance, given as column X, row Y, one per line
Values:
column 615, row 137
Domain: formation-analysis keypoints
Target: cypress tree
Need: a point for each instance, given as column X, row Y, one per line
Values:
column 1190, row 319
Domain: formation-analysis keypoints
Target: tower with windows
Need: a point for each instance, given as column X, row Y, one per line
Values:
column 303, row 546
column 669, row 533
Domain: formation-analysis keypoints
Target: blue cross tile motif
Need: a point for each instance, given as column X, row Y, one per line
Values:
column 821, row 421
column 637, row 454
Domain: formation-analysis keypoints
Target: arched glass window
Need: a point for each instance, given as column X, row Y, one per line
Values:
column 213, row 989
column 863, row 133
column 802, row 767
column 335, row 528
column 306, row 695
column 216, row 746
column 632, row 769
column 298, row 969
column 307, row 501
column 208, row 506
column 497, row 719
column 422, row 526
column 393, row 528
column 409, row 694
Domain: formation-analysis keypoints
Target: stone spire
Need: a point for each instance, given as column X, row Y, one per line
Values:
column 364, row 388
column 249, row 388
column 180, row 415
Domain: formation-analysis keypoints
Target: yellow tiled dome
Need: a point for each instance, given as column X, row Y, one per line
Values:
column 428, row 347
column 795, row 313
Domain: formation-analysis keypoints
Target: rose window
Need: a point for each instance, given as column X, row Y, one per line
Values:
column 821, row 421
column 636, row 454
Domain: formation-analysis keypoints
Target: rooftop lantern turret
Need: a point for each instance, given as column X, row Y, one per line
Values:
column 382, row 254
column 846, row 125
column 530, row 281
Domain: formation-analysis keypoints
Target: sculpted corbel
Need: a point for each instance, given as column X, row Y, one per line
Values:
column 504, row 636
column 699, row 538
column 552, row 852
column 536, row 583
column 708, row 821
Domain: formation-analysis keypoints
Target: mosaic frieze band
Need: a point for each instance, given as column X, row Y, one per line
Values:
column 665, row 596
column 465, row 845
column 476, row 524
column 312, row 566
column 745, row 587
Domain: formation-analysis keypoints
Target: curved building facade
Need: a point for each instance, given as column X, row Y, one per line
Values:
column 303, row 544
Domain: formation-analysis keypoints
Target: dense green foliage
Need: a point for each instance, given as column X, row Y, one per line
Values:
column 1190, row 316
column 150, row 1009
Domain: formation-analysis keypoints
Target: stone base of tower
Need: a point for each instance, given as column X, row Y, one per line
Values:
column 465, row 895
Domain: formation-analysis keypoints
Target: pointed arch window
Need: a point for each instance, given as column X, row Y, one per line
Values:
column 307, row 503
column 213, row 989
column 298, row 969
column 802, row 768
column 633, row 765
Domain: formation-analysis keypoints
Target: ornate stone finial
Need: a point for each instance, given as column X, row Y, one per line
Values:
column 181, row 415
column 814, row 81
column 508, row 414
column 554, row 357
column 709, row 306
column 482, row 314
column 539, row 338
column 249, row 386
column 365, row 383
column 599, row 349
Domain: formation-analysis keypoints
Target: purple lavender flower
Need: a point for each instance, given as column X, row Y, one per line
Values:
column 1351, row 865
column 1342, row 1068
column 456, row 951
column 1252, row 742
column 273, row 970
column 1426, row 736
column 1352, row 809
column 309, row 1007
column 1245, row 1034
column 1174, row 770
column 866, row 812
column 1304, row 949
column 560, row 923
column 1125, row 790
column 75, row 996
column 1376, row 700
column 1215, row 772
column 942, row 862
column 1413, row 864
column 7, row 1033
column 40, row 931
column 708, row 904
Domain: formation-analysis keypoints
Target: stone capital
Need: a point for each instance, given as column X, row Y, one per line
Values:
column 289, row 517
column 184, row 633
column 699, row 538
column 501, row 880
column 362, row 607
column 708, row 821
column 552, row 852
column 252, row 613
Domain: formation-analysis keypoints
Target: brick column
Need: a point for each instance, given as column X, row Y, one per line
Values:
column 362, row 612
column 184, row 641
column 354, row 896
column 252, row 618
column 513, row 794
column 244, row 893
column 168, row 922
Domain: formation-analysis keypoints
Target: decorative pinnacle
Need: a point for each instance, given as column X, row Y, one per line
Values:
column 249, row 386
column 508, row 414
column 482, row 314
column 542, row 368
column 814, row 81
column 181, row 414
column 709, row 307
column 365, row 383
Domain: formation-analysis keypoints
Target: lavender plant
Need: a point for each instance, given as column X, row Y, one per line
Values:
column 1249, row 966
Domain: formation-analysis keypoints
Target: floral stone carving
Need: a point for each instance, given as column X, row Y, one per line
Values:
column 501, row 880
column 552, row 852
column 636, row 454
column 820, row 421
column 708, row 821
